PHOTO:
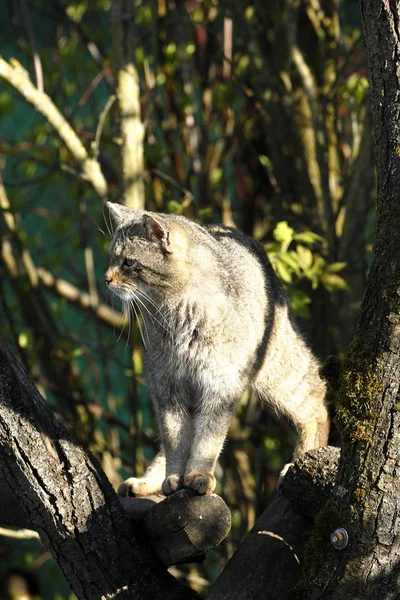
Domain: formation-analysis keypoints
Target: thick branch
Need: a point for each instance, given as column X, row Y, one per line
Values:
column 68, row 500
column 181, row 528
column 128, row 102
column 268, row 561
column 369, row 387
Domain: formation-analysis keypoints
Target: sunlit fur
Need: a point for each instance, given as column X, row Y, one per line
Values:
column 215, row 322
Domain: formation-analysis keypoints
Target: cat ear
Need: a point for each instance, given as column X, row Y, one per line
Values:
column 120, row 214
column 156, row 229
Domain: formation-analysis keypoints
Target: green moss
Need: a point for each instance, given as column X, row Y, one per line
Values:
column 359, row 389
column 327, row 521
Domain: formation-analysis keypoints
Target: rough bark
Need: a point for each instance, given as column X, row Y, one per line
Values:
column 179, row 529
column 367, row 504
column 68, row 500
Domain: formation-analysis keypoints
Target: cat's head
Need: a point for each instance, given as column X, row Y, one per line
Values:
column 148, row 251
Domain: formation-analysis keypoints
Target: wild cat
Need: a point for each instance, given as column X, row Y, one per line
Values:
column 215, row 323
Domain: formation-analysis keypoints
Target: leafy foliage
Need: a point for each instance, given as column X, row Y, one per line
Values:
column 295, row 259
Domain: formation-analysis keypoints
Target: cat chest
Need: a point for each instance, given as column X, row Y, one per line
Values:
column 195, row 367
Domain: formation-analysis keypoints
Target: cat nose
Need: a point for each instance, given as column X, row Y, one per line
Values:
column 107, row 279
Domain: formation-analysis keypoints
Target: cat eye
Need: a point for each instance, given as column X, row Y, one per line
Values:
column 132, row 263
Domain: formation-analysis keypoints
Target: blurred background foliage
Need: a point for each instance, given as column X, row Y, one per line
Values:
column 245, row 112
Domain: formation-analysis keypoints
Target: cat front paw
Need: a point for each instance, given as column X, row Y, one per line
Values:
column 135, row 486
column 172, row 484
column 201, row 483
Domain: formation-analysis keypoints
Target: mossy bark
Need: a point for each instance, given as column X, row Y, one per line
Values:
column 366, row 502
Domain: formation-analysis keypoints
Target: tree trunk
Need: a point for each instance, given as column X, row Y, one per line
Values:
column 367, row 502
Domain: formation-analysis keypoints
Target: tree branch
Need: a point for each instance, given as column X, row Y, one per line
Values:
column 73, row 294
column 128, row 102
column 268, row 561
column 69, row 501
column 18, row 78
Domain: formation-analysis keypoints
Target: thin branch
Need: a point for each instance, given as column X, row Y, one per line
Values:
column 99, row 130
column 37, row 64
column 70, row 292
column 91, row 88
column 19, row 534
column 39, row 275
column 174, row 182
column 18, row 78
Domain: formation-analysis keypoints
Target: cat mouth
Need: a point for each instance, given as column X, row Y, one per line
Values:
column 119, row 291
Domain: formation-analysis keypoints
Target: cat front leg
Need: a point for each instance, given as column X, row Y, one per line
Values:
column 176, row 432
column 210, row 430
column 151, row 481
column 166, row 472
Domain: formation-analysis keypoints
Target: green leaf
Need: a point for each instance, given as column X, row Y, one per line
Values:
column 332, row 282
column 305, row 257
column 283, row 272
column 174, row 207
column 283, row 232
column 76, row 11
column 317, row 269
column 265, row 161
column 336, row 267
column 290, row 259
column 215, row 177
column 299, row 301
column 77, row 352
column 272, row 248
column 307, row 237
column 23, row 339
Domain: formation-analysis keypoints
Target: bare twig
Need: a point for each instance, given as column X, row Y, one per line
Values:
column 99, row 130
column 174, row 182
column 38, row 275
column 37, row 64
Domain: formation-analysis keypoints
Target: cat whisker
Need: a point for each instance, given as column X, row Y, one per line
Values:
column 134, row 301
column 101, row 231
column 153, row 317
column 165, row 325
column 108, row 223
column 123, row 312
column 129, row 328
column 146, row 310
column 132, row 305
column 147, row 297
